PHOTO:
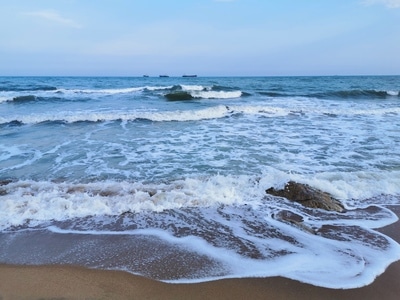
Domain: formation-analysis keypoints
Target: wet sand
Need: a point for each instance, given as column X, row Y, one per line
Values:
column 68, row 282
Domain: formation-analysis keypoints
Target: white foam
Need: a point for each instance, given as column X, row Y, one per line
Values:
column 215, row 112
column 216, row 94
column 43, row 201
column 6, row 152
column 9, row 96
column 203, row 92
column 348, row 259
column 4, row 99
column 333, row 263
column 352, row 188
column 110, row 91
column 264, row 110
column 192, row 87
column 393, row 93
column 79, row 116
column 158, row 88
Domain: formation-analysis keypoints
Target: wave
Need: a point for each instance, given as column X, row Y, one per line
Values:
column 67, row 200
column 39, row 201
column 357, row 94
column 28, row 89
column 188, row 95
column 274, row 94
column 173, row 93
column 215, row 112
column 33, row 98
column 23, row 99
column 19, row 96
column 114, row 91
column 224, row 219
column 189, row 92
column 345, row 94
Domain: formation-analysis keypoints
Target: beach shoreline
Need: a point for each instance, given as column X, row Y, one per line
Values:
column 71, row 282
column 74, row 282
column 107, row 173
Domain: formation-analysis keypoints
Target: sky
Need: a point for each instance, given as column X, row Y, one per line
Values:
column 203, row 37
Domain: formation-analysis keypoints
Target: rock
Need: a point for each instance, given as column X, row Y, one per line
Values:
column 179, row 95
column 4, row 192
column 293, row 219
column 5, row 182
column 307, row 196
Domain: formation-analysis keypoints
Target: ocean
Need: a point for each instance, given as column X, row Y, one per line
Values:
column 166, row 177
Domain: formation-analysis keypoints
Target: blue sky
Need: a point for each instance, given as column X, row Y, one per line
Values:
column 203, row 37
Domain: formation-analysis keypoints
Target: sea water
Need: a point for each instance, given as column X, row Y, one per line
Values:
column 184, row 163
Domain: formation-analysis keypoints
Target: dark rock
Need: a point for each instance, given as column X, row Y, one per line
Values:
column 24, row 98
column 293, row 219
column 307, row 196
column 179, row 95
column 5, row 182
column 4, row 192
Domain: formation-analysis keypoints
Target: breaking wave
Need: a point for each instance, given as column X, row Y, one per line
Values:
column 345, row 94
column 173, row 93
column 215, row 112
column 226, row 220
column 188, row 92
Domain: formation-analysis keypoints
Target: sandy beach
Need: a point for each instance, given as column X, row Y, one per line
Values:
column 69, row 282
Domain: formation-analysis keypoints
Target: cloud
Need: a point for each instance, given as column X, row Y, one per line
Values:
column 387, row 3
column 53, row 16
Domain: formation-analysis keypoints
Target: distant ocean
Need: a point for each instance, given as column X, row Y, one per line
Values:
column 166, row 177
